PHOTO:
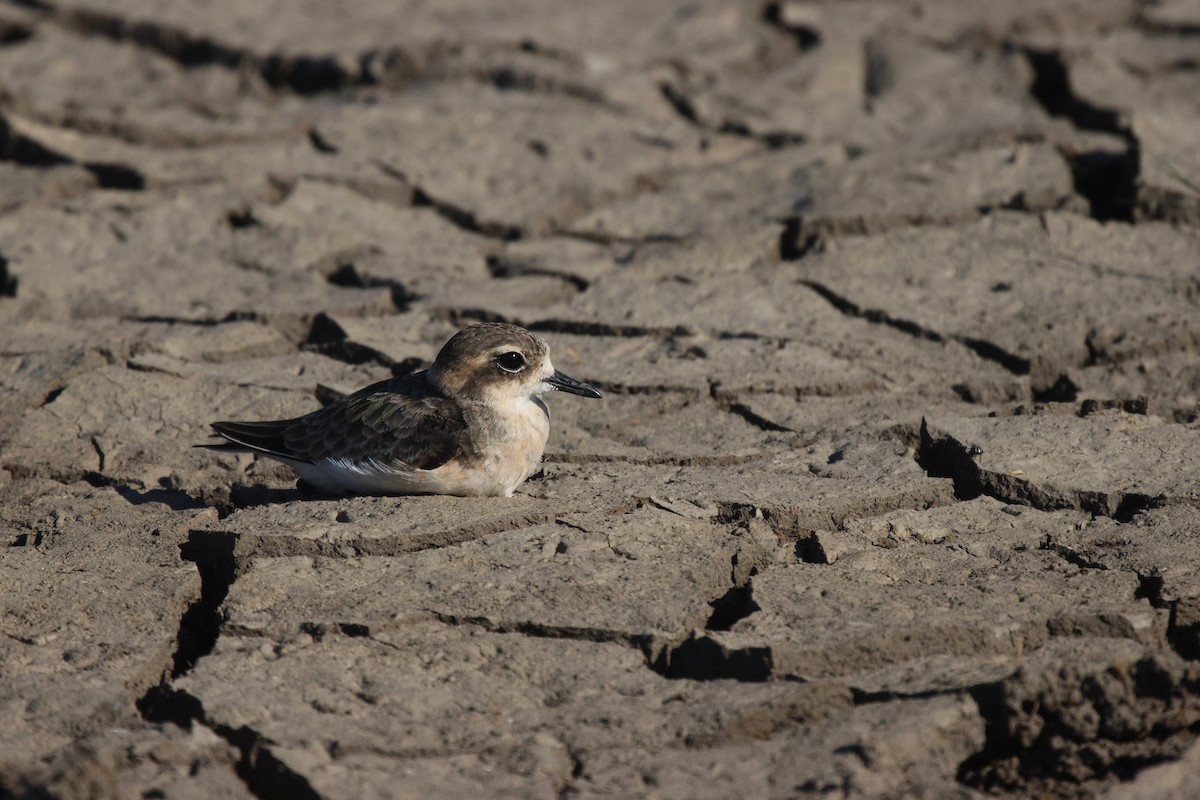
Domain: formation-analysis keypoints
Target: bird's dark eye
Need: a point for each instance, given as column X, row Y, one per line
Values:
column 511, row 362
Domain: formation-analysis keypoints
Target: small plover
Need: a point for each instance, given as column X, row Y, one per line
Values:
column 472, row 424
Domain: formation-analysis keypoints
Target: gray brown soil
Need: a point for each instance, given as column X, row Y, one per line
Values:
column 895, row 487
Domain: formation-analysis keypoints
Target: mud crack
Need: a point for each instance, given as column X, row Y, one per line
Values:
column 986, row 350
column 679, row 101
column 264, row 774
column 1107, row 180
column 199, row 628
column 466, row 220
column 945, row 457
column 23, row 150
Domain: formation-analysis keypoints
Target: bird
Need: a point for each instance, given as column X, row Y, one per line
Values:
column 470, row 425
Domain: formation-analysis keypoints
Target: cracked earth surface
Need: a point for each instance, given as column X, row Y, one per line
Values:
column 894, row 491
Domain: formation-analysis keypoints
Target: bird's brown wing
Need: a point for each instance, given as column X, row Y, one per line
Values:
column 402, row 419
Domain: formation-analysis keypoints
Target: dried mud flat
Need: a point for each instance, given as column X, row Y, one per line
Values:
column 895, row 491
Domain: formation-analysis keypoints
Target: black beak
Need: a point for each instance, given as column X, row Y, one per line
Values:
column 565, row 383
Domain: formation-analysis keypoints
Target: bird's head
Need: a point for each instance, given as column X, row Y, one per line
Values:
column 497, row 362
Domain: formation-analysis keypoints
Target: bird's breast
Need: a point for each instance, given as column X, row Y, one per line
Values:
column 508, row 443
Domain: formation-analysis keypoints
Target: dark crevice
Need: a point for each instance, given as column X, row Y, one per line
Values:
column 644, row 643
column 605, row 238
column 173, row 498
column 324, row 330
column 946, row 458
column 165, row 704
column 52, row 395
column 1166, row 27
column 989, row 351
column 99, row 455
column 758, row 421
column 213, row 554
column 796, row 240
column 861, row 697
column 810, row 551
column 567, row 788
column 1107, row 180
column 177, row 44
column 879, row 73
column 342, row 268
column 165, row 319
column 1133, row 405
column 806, row 37
column 738, row 601
column 467, row 220
column 730, row 608
column 774, row 140
column 116, row 176
column 736, row 513
column 510, row 78
column 1062, row 390
column 242, row 218
column 351, row 630
column 1070, row 555
column 701, row 658
column 327, row 337
column 302, row 74
column 1131, row 505
column 346, row 275
column 685, row 108
column 680, row 102
column 320, row 143
column 262, row 772
column 1051, row 88
column 25, row 151
column 265, row 775
column 392, row 68
column 986, row 350
column 877, row 316
column 8, row 281
column 1183, row 629
column 13, row 32
column 501, row 266
column 1150, row 588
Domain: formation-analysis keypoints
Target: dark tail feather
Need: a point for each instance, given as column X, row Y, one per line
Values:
column 261, row 437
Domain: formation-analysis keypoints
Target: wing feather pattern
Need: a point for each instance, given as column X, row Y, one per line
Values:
column 398, row 420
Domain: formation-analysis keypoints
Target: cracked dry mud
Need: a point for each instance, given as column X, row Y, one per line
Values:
column 894, row 492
